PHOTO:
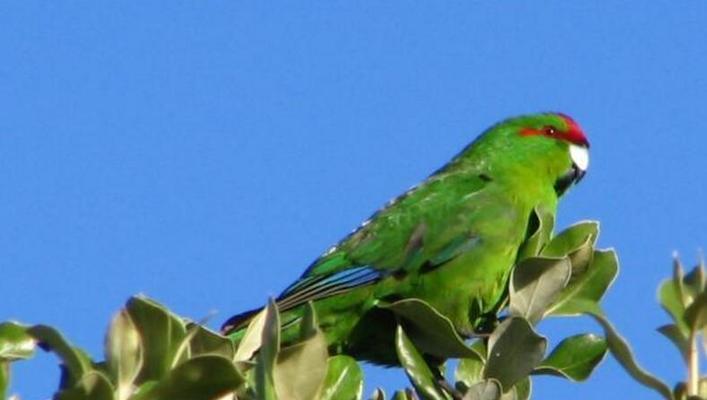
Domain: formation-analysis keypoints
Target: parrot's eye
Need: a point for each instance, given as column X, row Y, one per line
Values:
column 550, row 130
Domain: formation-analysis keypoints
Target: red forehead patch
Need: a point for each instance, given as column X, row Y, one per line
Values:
column 572, row 134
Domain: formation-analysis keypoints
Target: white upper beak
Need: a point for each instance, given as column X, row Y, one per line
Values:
column 580, row 156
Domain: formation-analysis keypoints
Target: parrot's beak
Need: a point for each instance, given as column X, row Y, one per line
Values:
column 578, row 173
column 580, row 162
column 580, row 156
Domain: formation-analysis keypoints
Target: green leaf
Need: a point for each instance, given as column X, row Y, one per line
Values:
column 15, row 342
column 702, row 387
column 489, row 389
column 162, row 334
column 583, row 292
column 123, row 352
column 92, row 386
column 572, row 239
column 267, row 357
column 309, row 326
column 670, row 298
column 4, row 378
column 575, row 357
column 403, row 395
column 678, row 276
column 75, row 361
column 344, row 380
column 543, row 221
column 694, row 281
column 205, row 341
column 416, row 368
column 470, row 371
column 680, row 391
column 622, row 353
column 520, row 391
column 673, row 333
column 378, row 394
column 696, row 313
column 289, row 377
column 535, row 284
column 253, row 337
column 515, row 349
column 432, row 332
column 577, row 244
column 200, row 378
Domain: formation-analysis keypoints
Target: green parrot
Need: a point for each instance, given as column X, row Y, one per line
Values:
column 450, row 241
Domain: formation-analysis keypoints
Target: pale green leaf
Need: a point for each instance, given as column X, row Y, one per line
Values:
column 416, row 368
column 205, row 341
column 92, row 386
column 696, row 313
column 575, row 357
column 403, row 395
column 520, row 391
column 670, row 298
column 580, row 235
column 432, row 332
column 470, row 371
column 540, row 229
column 515, row 349
column 267, row 357
column 378, row 394
column 301, row 368
column 535, row 283
column 702, row 387
column 309, row 325
column 252, row 339
column 489, row 389
column 123, row 352
column 344, row 380
column 4, row 378
column 15, row 342
column 678, row 276
column 583, row 293
column 75, row 361
column 208, row 377
column 694, row 281
column 672, row 332
column 162, row 334
column 622, row 353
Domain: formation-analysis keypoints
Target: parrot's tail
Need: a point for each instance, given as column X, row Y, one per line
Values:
column 238, row 322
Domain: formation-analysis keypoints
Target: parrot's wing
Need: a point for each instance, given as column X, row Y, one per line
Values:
column 393, row 241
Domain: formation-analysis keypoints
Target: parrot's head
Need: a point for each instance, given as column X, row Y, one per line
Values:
column 558, row 139
column 547, row 146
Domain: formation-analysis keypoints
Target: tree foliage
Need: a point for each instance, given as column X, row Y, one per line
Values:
column 153, row 354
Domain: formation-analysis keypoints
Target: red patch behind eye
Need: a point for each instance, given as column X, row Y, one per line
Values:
column 573, row 134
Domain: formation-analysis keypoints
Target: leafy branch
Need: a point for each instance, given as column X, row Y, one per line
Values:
column 151, row 353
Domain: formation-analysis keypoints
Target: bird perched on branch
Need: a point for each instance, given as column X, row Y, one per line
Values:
column 451, row 241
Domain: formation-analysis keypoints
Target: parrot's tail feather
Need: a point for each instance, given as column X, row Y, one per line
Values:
column 322, row 286
column 310, row 289
column 239, row 321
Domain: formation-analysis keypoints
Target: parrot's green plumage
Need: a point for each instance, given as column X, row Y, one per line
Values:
column 450, row 241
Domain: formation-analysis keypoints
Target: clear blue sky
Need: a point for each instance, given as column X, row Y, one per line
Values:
column 204, row 153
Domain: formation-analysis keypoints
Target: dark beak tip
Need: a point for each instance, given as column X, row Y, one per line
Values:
column 572, row 177
column 579, row 175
